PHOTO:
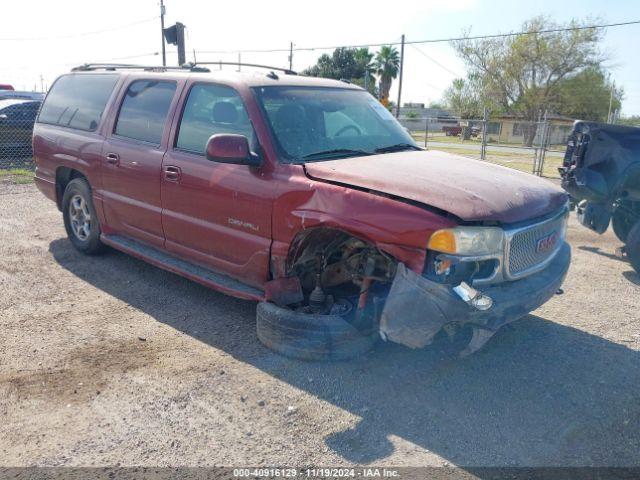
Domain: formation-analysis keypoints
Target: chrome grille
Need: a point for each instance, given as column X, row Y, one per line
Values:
column 532, row 246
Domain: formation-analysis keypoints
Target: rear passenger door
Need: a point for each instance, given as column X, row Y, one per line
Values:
column 213, row 213
column 132, row 159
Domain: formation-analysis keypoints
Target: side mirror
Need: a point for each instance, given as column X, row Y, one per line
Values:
column 231, row 148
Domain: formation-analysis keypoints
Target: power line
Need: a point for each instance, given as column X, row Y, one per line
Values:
column 76, row 35
column 437, row 63
column 432, row 40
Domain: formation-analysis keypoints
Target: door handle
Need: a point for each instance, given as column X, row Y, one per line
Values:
column 172, row 173
column 113, row 158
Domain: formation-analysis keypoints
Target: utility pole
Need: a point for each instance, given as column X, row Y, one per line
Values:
column 400, row 76
column 290, row 55
column 613, row 87
column 485, row 124
column 41, row 83
column 164, row 53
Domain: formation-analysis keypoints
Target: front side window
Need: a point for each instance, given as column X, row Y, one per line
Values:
column 312, row 123
column 78, row 100
column 212, row 109
column 144, row 110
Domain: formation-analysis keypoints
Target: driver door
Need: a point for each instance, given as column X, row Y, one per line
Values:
column 213, row 213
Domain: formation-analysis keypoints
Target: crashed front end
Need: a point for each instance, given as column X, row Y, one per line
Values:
column 483, row 277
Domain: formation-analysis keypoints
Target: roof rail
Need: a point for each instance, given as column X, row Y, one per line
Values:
column 89, row 67
column 190, row 66
column 286, row 71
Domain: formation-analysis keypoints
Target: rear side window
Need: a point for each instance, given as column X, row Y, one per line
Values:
column 144, row 110
column 212, row 109
column 77, row 101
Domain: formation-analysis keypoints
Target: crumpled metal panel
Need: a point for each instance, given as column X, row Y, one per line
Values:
column 415, row 309
column 469, row 189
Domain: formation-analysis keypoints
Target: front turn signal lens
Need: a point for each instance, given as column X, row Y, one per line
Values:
column 468, row 241
column 443, row 241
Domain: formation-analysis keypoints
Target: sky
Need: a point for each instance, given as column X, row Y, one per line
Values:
column 45, row 38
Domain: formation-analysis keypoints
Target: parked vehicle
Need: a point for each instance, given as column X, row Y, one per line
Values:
column 456, row 130
column 17, row 117
column 304, row 194
column 601, row 172
column 4, row 94
column 452, row 130
column 6, row 86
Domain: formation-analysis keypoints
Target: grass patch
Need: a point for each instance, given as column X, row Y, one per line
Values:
column 524, row 163
column 17, row 176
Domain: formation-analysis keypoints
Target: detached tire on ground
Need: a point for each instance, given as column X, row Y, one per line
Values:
column 633, row 247
column 311, row 337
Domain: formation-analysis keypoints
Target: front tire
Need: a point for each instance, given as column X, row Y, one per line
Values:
column 311, row 337
column 80, row 217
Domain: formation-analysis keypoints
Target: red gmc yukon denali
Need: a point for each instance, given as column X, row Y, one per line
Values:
column 305, row 195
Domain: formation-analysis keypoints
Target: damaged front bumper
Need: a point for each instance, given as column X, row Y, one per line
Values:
column 417, row 308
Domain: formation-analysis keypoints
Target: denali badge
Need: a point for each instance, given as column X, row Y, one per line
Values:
column 547, row 242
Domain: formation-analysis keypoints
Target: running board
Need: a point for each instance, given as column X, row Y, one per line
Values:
column 166, row 261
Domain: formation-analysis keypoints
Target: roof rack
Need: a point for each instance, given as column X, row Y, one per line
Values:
column 190, row 67
column 89, row 67
column 286, row 71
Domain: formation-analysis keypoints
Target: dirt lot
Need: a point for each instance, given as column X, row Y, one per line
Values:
column 107, row 361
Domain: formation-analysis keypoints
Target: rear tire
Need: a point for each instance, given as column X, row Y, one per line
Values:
column 80, row 217
column 621, row 224
column 633, row 247
column 311, row 337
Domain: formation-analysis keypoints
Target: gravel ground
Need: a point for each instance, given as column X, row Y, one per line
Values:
column 110, row 361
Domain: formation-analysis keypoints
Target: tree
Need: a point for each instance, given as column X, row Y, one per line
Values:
column 437, row 104
column 346, row 63
column 464, row 97
column 387, row 64
column 586, row 95
column 523, row 74
column 364, row 61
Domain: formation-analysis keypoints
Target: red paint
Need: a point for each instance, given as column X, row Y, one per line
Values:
column 228, row 148
column 470, row 189
column 241, row 220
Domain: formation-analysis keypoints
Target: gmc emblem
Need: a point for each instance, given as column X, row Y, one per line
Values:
column 547, row 242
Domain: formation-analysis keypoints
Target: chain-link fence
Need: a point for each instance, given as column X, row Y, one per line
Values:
column 533, row 147
column 17, row 116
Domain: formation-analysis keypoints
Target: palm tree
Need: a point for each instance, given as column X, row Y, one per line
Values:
column 365, row 65
column 387, row 65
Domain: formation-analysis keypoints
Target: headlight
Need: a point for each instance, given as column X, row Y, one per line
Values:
column 468, row 240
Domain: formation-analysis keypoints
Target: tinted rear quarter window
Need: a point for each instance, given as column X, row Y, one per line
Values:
column 144, row 110
column 78, row 101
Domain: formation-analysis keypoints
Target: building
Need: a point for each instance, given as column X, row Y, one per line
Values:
column 513, row 129
column 415, row 117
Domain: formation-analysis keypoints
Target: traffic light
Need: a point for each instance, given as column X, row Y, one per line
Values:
column 174, row 35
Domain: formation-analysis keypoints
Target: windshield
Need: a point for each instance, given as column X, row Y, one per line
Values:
column 313, row 124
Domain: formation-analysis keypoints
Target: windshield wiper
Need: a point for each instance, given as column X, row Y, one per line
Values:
column 336, row 152
column 398, row 147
